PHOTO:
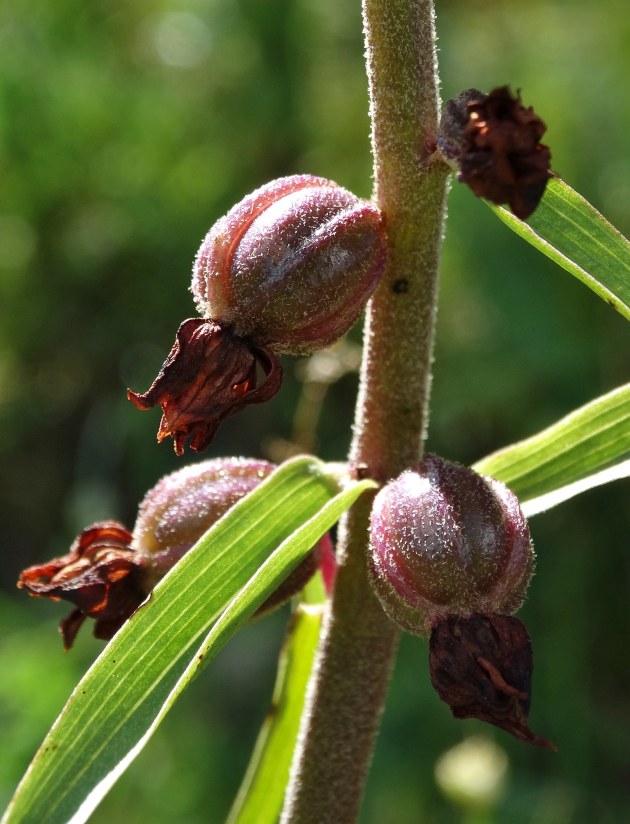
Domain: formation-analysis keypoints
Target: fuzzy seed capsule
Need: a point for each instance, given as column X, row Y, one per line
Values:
column 109, row 570
column 447, row 541
column 287, row 271
column 292, row 265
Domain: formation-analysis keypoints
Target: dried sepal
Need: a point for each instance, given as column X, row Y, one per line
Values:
column 209, row 374
column 100, row 575
column 481, row 667
column 494, row 141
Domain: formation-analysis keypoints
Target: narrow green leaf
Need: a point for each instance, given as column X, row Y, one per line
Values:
column 260, row 797
column 567, row 229
column 218, row 584
column 589, row 447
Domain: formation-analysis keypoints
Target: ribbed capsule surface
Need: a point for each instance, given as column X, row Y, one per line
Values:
column 292, row 265
column 447, row 541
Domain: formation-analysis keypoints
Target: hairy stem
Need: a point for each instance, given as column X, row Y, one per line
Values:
column 348, row 690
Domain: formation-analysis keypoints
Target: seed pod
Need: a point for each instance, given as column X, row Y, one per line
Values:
column 447, row 541
column 109, row 571
column 287, row 271
column 291, row 266
column 451, row 556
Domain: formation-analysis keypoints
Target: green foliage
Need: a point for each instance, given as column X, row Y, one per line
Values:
column 260, row 797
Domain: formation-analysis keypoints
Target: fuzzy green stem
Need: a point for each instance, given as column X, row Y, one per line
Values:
column 348, row 690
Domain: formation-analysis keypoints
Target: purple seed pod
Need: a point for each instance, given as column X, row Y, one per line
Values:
column 287, row 271
column 181, row 506
column 292, row 265
column 109, row 571
column 447, row 541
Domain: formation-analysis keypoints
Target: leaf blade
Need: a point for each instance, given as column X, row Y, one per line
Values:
column 576, row 453
column 143, row 665
column 260, row 797
column 547, row 501
column 572, row 233
column 242, row 607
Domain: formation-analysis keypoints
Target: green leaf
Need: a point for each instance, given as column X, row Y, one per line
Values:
column 216, row 586
column 567, row 229
column 260, row 798
column 587, row 448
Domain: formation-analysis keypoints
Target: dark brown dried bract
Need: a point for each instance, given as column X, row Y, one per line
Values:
column 482, row 668
column 495, row 143
column 210, row 373
column 99, row 576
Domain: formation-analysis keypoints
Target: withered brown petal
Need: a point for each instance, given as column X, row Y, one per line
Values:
column 70, row 626
column 495, row 143
column 100, row 576
column 210, row 373
column 482, row 668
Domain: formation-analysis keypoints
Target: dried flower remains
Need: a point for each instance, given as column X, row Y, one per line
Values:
column 494, row 142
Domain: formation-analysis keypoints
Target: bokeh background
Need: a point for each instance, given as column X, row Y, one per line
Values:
column 126, row 129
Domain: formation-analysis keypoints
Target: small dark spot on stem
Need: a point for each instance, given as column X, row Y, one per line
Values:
column 360, row 471
column 400, row 286
column 429, row 147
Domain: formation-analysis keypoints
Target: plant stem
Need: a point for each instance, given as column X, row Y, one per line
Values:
column 358, row 645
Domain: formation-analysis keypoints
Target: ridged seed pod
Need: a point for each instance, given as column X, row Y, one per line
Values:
column 292, row 265
column 447, row 541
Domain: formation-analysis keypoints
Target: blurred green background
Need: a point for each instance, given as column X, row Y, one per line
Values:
column 126, row 129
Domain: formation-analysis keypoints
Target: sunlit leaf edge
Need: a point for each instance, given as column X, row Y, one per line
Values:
column 170, row 607
column 277, row 566
column 542, row 503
